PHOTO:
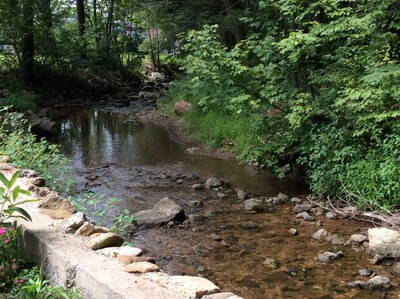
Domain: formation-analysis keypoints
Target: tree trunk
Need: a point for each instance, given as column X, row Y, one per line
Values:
column 28, row 44
column 96, row 30
column 238, row 29
column 80, row 12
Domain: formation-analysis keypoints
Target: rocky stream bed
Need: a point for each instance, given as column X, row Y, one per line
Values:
column 242, row 229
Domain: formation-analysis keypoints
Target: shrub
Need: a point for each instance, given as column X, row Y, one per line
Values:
column 20, row 100
column 26, row 152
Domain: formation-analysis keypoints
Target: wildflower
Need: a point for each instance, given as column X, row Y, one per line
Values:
column 21, row 280
column 2, row 230
column 14, row 266
column 14, row 260
column 6, row 241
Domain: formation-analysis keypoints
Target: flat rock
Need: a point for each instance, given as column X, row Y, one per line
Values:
column 224, row 295
column 365, row 272
column 296, row 200
column 357, row 284
column 73, row 223
column 300, row 208
column 327, row 256
column 215, row 237
column 197, row 187
column 320, row 233
column 282, row 197
column 190, row 286
column 213, row 183
column 384, row 241
column 396, row 268
column 358, row 238
column 53, row 201
column 163, row 212
column 253, row 204
column 379, row 282
column 331, row 215
column 337, row 240
column 305, row 216
column 88, row 229
column 141, row 267
column 242, row 195
column 104, row 240
column 123, row 250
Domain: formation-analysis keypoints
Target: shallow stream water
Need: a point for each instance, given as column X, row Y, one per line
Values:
column 139, row 164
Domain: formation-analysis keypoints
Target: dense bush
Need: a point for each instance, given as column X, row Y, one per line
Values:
column 317, row 82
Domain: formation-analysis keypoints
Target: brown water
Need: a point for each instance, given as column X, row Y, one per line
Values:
column 139, row 164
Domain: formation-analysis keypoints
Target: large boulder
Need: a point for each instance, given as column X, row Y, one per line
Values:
column 384, row 241
column 163, row 212
column 182, row 107
column 53, row 201
column 213, row 183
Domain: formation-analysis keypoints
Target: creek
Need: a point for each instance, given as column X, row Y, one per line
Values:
column 139, row 164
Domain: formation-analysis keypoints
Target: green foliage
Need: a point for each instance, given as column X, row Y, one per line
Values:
column 9, row 262
column 34, row 286
column 20, row 101
column 104, row 211
column 9, row 206
column 26, row 152
column 321, row 79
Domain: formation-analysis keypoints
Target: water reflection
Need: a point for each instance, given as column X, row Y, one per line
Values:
column 91, row 137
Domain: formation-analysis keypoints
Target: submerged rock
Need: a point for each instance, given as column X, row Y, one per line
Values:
column 327, row 256
column 305, row 216
column 242, row 195
column 320, row 233
column 384, row 241
column 358, row 238
column 271, row 263
column 253, row 204
column 163, row 212
column 198, row 187
column 213, row 183
column 224, row 295
column 331, row 215
column 300, row 208
column 379, row 282
column 365, row 272
column 357, row 284
column 141, row 267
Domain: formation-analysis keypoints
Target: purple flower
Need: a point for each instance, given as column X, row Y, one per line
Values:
column 2, row 230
